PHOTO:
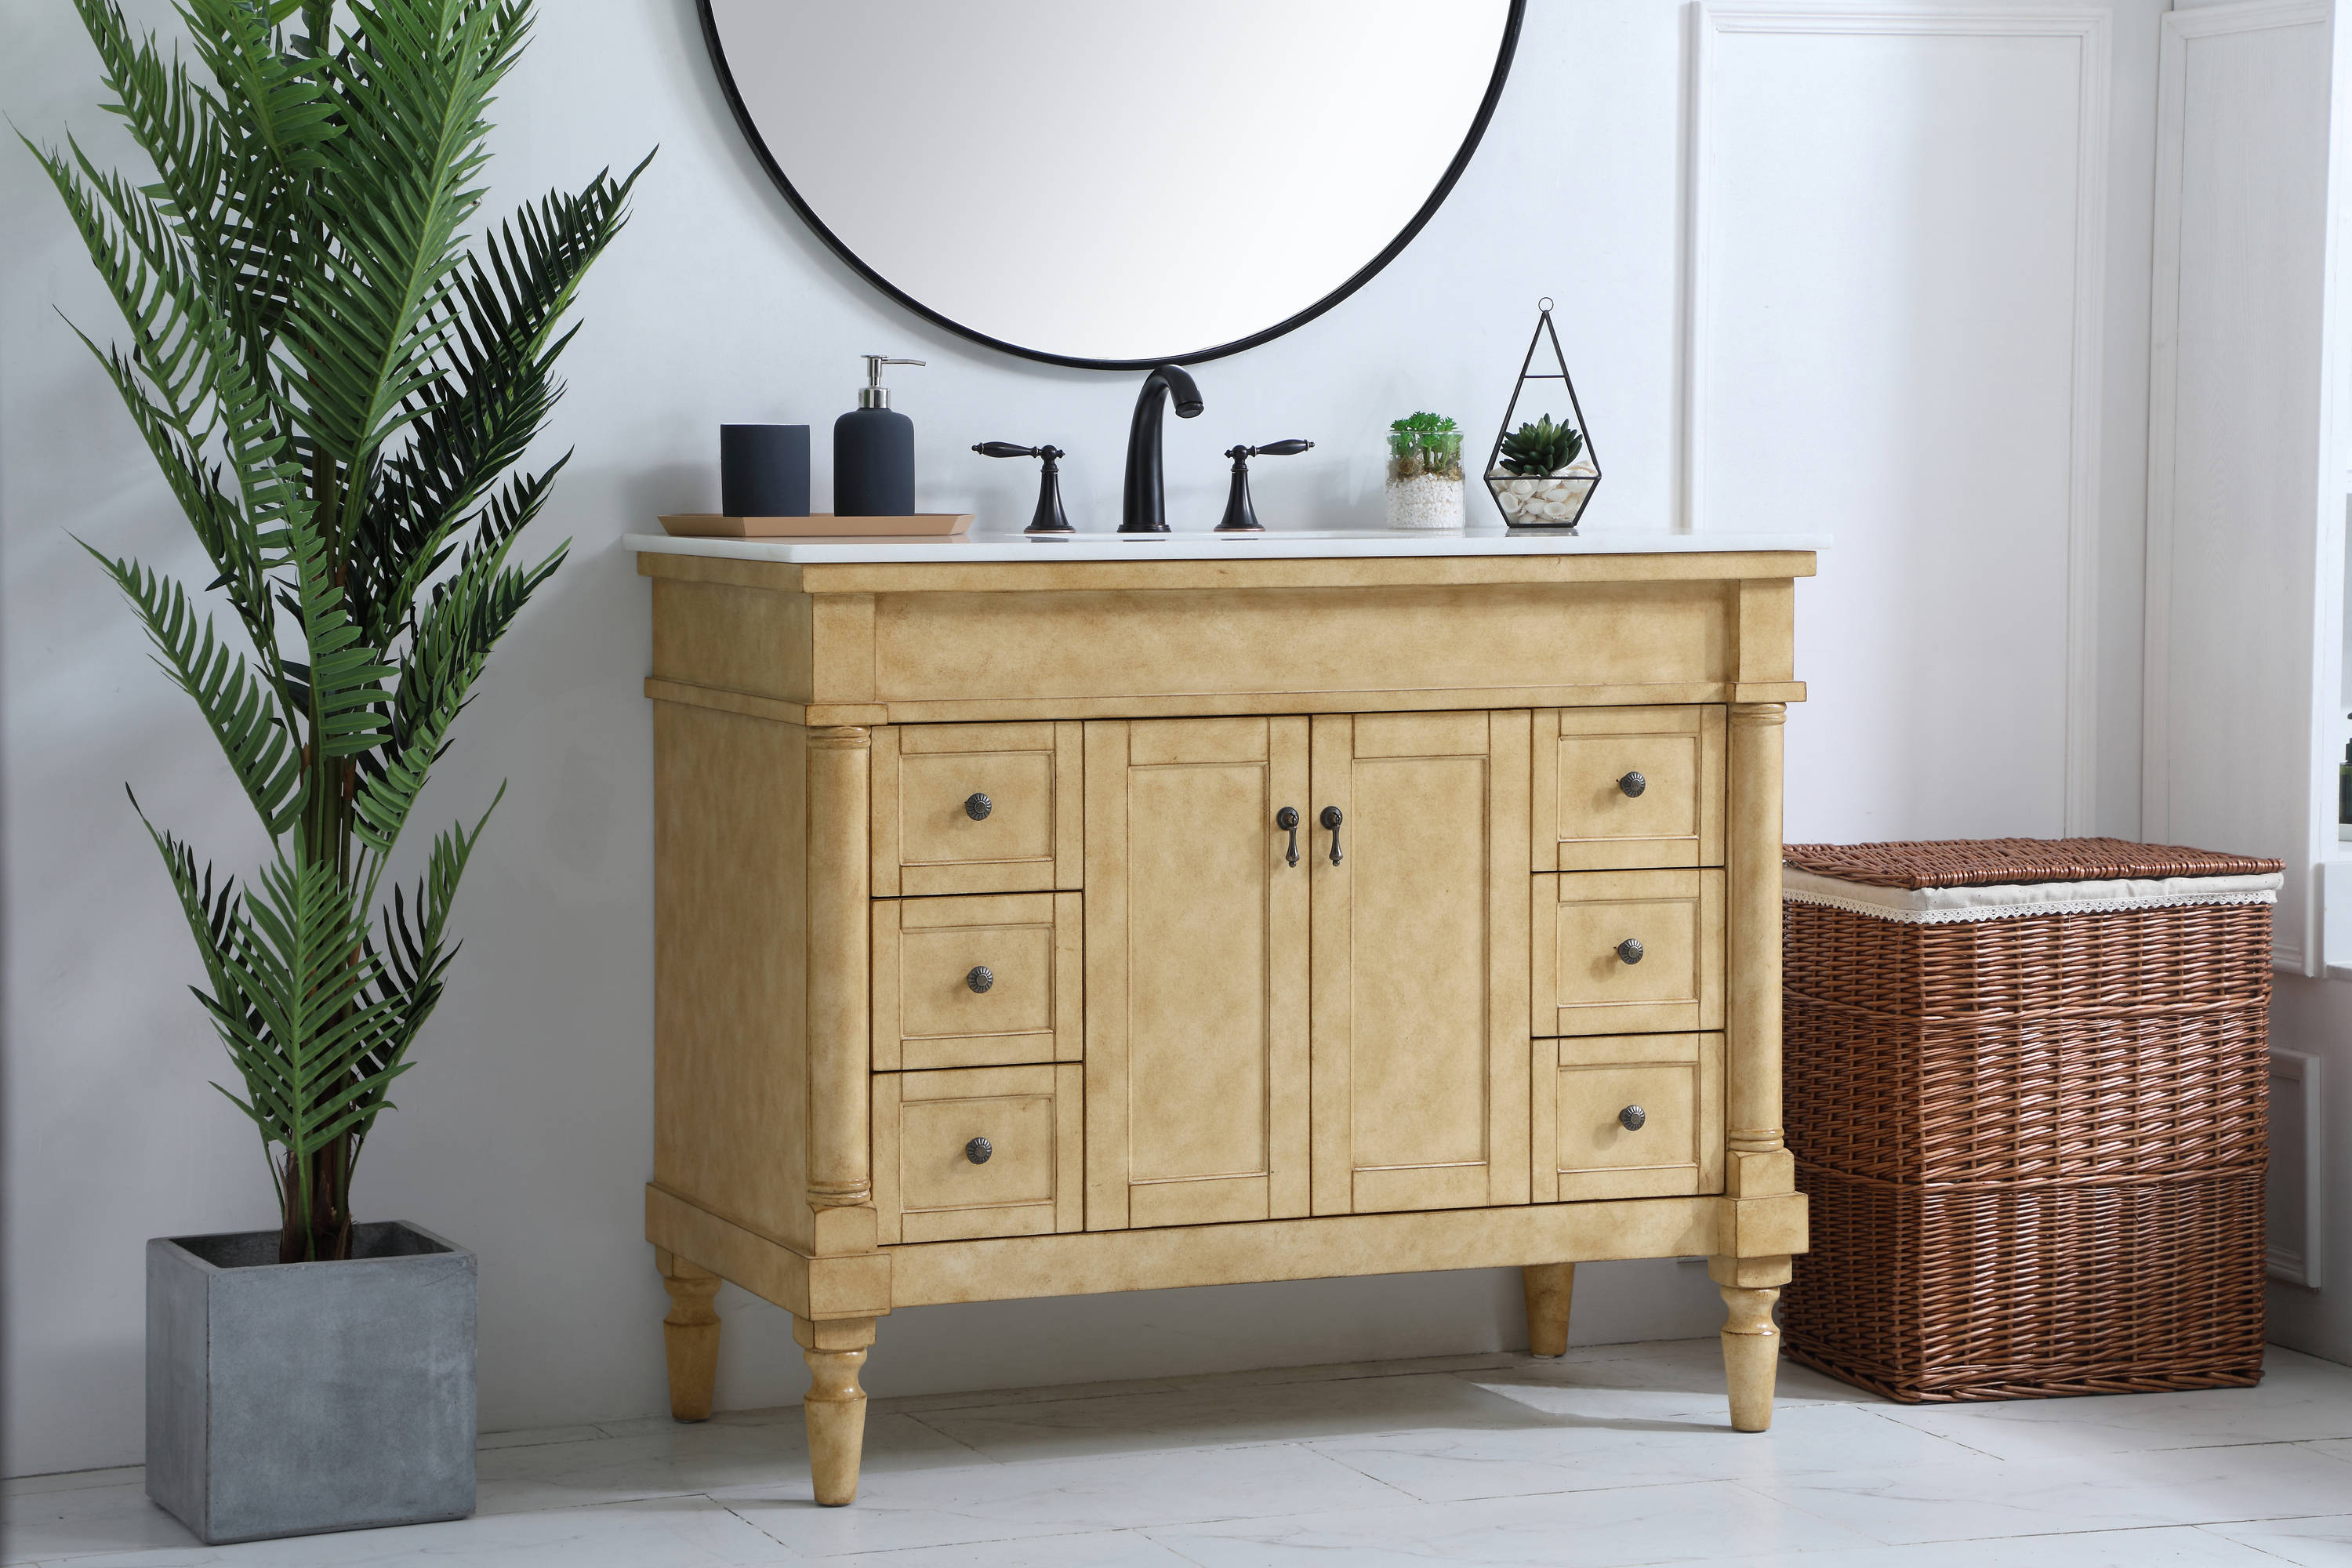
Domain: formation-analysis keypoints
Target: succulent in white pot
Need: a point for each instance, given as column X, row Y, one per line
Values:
column 1541, row 479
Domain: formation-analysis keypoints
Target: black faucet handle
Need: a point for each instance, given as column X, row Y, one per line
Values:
column 1049, row 517
column 1241, row 515
column 1242, row 454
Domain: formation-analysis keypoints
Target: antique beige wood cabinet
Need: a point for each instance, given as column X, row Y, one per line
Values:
column 1046, row 919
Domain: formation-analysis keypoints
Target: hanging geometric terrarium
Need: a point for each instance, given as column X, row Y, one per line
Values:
column 1543, row 470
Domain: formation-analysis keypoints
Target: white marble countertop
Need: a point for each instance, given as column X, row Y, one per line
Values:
column 1278, row 544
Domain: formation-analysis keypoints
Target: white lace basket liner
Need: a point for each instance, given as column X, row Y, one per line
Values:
column 1944, row 906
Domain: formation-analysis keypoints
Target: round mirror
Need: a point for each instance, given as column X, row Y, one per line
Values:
column 1114, row 186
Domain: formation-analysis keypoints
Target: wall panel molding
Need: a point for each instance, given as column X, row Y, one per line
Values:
column 2259, row 305
column 2298, row 1172
column 2088, row 32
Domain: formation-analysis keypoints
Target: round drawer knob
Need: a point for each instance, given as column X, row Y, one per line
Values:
column 1632, row 1118
column 977, row 806
column 1633, row 785
column 1630, row 950
column 979, row 1149
column 980, row 978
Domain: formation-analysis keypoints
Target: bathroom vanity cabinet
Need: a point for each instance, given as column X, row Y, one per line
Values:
column 1042, row 918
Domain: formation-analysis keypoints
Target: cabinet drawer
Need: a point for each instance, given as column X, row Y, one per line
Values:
column 1622, row 788
column 927, row 1185
column 976, row 808
column 976, row 982
column 1589, row 978
column 1587, row 1090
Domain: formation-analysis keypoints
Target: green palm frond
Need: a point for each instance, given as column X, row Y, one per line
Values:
column 346, row 677
column 467, row 616
column 297, row 1017
column 500, row 350
column 408, row 969
column 396, row 190
column 237, row 706
column 338, row 390
column 147, row 268
column 271, row 102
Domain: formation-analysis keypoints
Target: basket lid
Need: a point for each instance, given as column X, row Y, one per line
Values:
column 2003, row 862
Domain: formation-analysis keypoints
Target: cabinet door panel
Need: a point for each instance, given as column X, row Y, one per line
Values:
column 1420, row 959
column 1196, row 973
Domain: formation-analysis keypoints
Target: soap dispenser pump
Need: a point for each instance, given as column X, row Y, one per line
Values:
column 874, row 452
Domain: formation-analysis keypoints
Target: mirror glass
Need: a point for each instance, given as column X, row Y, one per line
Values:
column 1115, row 185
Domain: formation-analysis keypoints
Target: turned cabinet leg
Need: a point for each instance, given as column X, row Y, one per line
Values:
column 690, row 1335
column 1547, row 1288
column 836, row 1406
column 1751, row 1354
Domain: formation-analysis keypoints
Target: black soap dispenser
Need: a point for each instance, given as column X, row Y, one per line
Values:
column 874, row 452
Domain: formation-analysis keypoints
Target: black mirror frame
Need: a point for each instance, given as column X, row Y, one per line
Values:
column 1363, row 275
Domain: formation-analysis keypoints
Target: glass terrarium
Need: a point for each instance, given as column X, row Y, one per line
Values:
column 1425, row 476
column 1543, row 472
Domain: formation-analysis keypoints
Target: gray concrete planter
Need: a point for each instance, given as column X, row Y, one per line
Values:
column 291, row 1398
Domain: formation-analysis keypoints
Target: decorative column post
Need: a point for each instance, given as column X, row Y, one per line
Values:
column 840, row 1165
column 1758, row 1164
column 1752, row 963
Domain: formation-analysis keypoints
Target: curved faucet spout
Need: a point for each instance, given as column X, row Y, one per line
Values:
column 1145, row 508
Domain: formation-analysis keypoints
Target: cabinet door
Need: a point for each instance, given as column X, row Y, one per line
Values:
column 1196, row 972
column 1421, row 961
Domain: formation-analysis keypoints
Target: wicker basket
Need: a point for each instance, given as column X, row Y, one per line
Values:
column 2030, row 1117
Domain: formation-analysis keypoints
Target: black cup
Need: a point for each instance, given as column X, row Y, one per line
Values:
column 763, row 471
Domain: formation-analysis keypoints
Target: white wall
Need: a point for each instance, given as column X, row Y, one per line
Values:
column 1901, row 306
column 524, row 1130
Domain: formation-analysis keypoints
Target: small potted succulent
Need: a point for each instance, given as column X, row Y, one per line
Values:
column 1540, row 478
column 1425, row 487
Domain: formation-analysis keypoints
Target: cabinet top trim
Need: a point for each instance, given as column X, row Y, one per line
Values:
column 1294, row 544
column 732, row 561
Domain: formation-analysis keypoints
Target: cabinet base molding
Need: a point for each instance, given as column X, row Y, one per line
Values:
column 1323, row 1248
column 1012, row 1268
column 854, row 1286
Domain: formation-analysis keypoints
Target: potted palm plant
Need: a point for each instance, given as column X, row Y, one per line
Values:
column 338, row 383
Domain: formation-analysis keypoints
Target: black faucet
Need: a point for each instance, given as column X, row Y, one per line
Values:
column 1146, row 507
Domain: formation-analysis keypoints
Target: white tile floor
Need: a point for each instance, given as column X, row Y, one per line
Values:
column 1613, row 1454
